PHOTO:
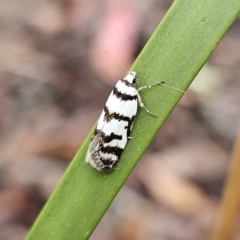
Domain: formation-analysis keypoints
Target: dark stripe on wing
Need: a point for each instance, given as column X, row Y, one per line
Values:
column 127, row 83
column 111, row 137
column 109, row 116
column 112, row 150
column 107, row 138
column 123, row 96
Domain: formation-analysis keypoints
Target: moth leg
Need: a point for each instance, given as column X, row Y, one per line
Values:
column 130, row 138
column 142, row 105
column 147, row 87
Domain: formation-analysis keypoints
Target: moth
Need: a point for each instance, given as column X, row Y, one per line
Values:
column 115, row 124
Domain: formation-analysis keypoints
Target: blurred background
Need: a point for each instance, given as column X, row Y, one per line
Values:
column 54, row 80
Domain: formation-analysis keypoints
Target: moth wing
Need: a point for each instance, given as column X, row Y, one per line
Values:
column 93, row 148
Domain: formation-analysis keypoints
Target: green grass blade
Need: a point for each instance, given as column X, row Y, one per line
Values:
column 175, row 53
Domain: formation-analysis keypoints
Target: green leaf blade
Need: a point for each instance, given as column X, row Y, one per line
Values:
column 175, row 53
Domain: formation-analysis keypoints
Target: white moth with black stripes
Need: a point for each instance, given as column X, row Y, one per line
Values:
column 115, row 124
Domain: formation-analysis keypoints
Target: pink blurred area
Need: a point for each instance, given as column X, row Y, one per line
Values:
column 54, row 80
column 117, row 36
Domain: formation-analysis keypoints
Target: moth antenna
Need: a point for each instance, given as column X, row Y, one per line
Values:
column 116, row 61
column 166, row 85
column 178, row 89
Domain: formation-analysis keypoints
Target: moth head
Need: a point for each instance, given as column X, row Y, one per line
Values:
column 131, row 77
